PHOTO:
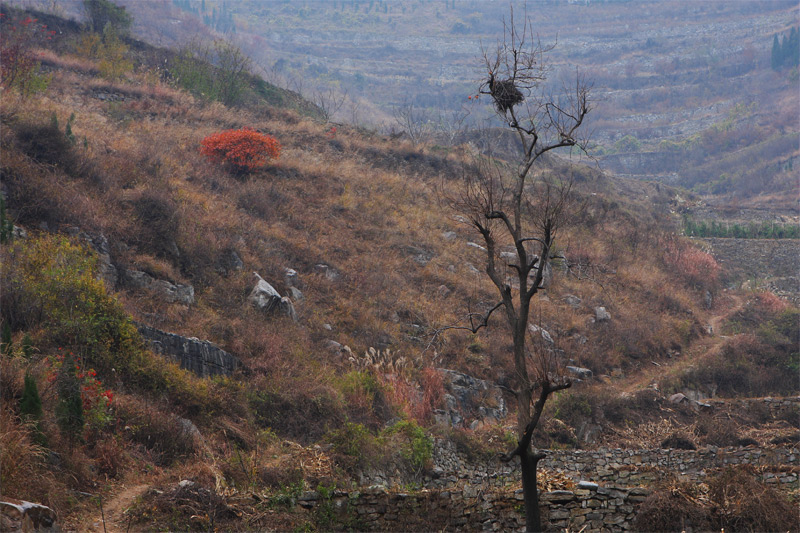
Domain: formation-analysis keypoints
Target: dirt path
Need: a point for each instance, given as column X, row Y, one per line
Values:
column 704, row 345
column 115, row 520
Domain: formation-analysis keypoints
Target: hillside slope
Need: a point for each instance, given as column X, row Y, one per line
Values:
column 106, row 179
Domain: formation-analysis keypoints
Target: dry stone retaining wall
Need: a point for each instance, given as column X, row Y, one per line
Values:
column 472, row 509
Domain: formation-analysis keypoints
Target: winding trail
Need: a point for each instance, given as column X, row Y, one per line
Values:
column 704, row 345
column 114, row 509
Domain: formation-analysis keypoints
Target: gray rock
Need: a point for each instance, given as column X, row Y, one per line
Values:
column 189, row 428
column 509, row 257
column 534, row 329
column 19, row 233
column 419, row 255
column 170, row 292
column 476, row 246
column 329, row 272
column 470, row 397
column 201, row 357
column 601, row 315
column 265, row 298
column 677, row 398
column 135, row 279
column 588, row 485
column 582, row 373
column 295, row 294
column 229, row 262
column 290, row 277
column 449, row 236
column 174, row 293
column 572, row 301
column 19, row 515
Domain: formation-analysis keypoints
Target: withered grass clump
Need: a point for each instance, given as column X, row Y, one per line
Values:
column 733, row 500
column 673, row 509
column 745, row 504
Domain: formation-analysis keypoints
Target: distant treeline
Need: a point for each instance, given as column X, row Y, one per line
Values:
column 765, row 230
column 786, row 53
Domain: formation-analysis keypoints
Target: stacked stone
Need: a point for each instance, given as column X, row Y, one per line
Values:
column 589, row 506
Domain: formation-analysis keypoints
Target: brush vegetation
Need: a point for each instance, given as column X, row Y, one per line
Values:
column 357, row 216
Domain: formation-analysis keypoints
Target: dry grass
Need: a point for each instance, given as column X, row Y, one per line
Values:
column 359, row 205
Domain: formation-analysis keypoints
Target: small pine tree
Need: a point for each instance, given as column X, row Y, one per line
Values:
column 6, row 226
column 27, row 347
column 69, row 410
column 30, row 405
column 5, row 340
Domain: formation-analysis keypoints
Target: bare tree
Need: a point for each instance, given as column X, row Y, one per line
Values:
column 451, row 124
column 329, row 100
column 518, row 211
column 413, row 121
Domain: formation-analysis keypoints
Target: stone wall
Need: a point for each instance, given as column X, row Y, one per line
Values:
column 477, row 509
column 612, row 466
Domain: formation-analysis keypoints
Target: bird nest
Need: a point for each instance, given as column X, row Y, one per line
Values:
column 505, row 94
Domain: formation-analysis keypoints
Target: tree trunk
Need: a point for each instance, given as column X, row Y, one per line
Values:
column 528, row 465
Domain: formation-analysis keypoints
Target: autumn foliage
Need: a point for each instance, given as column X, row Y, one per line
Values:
column 244, row 150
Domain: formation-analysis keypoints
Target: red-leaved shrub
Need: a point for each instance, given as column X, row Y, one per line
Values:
column 243, row 150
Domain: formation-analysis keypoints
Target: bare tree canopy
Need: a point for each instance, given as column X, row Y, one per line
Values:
column 518, row 210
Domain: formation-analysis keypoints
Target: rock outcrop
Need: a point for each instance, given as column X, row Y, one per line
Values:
column 21, row 516
column 170, row 292
column 201, row 357
column 470, row 399
column 265, row 298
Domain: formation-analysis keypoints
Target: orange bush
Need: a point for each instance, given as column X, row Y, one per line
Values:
column 243, row 150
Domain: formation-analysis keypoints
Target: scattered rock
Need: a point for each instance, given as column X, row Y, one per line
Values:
column 419, row 255
column 449, row 236
column 572, row 301
column 267, row 299
column 329, row 272
column 476, row 246
column 534, row 329
column 19, row 233
column 290, row 277
column 580, row 373
column 601, row 315
column 295, row 294
column 229, row 262
column 678, row 398
column 469, row 397
column 170, row 292
column 21, row 516
column 509, row 257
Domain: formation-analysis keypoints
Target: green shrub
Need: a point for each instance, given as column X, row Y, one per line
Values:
column 355, row 447
column 414, row 445
column 50, row 282
column 572, row 408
